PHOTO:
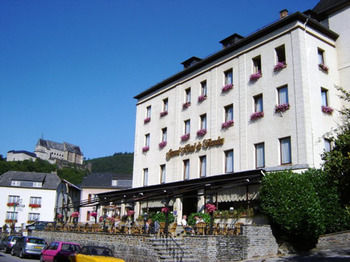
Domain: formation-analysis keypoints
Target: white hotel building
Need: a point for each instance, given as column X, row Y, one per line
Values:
column 266, row 101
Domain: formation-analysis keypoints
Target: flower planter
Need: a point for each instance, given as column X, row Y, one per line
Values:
column 11, row 204
column 146, row 120
column 323, row 67
column 145, row 149
column 281, row 108
column 226, row 88
column 256, row 116
column 185, row 137
column 164, row 113
column 11, row 221
column 201, row 98
column 201, row 132
column 186, row 105
column 327, row 110
column 162, row 144
column 227, row 124
column 34, row 205
column 255, row 76
column 279, row 66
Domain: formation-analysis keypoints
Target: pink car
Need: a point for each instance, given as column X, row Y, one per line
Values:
column 59, row 251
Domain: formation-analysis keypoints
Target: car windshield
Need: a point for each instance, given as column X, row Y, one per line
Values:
column 97, row 251
column 36, row 241
column 70, row 247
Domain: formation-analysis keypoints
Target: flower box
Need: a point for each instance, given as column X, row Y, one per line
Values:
column 145, row 149
column 226, row 88
column 281, row 108
column 162, row 144
column 30, row 221
column 34, row 205
column 279, row 66
column 323, row 67
column 185, row 137
column 11, row 204
column 327, row 109
column 186, row 105
column 256, row 76
column 227, row 124
column 11, row 221
column 201, row 98
column 146, row 120
column 201, row 132
column 164, row 113
column 256, row 115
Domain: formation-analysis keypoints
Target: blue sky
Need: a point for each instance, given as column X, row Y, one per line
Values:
column 69, row 69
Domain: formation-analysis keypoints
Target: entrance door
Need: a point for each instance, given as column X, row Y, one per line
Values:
column 189, row 203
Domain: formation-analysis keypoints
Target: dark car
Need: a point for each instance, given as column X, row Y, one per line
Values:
column 9, row 242
column 28, row 246
column 59, row 251
column 38, row 225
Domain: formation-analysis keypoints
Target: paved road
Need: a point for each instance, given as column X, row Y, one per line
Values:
column 8, row 258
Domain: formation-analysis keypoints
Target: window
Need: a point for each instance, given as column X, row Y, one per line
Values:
column 228, row 77
column 35, row 201
column 114, row 182
column 228, row 161
column 33, row 216
column 320, row 54
column 324, row 97
column 13, row 199
column 188, row 95
column 162, row 174
column 203, row 166
column 26, row 183
column 280, row 54
column 260, row 155
column 229, row 113
column 11, row 215
column 147, row 140
column 186, row 169
column 282, row 95
column 203, row 120
column 257, row 64
column 164, row 134
column 148, row 112
column 187, row 126
column 165, row 105
column 204, row 88
column 327, row 145
column 258, row 103
column 145, row 176
column 285, row 151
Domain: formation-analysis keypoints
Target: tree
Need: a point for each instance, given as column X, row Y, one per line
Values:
column 337, row 161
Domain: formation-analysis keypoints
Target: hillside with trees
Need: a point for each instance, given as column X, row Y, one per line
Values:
column 121, row 163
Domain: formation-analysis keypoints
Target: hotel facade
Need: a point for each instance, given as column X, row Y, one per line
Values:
column 265, row 102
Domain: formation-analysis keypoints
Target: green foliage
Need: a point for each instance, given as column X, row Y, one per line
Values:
column 160, row 217
column 27, row 166
column 204, row 216
column 121, row 163
column 73, row 175
column 302, row 206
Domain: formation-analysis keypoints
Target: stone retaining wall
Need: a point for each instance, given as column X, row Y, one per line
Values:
column 333, row 241
column 255, row 241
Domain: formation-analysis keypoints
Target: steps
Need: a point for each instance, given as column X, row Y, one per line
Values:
column 172, row 250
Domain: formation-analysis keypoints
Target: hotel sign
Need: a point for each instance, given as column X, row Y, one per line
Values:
column 187, row 149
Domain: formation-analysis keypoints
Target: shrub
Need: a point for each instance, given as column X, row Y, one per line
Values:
column 204, row 216
column 160, row 217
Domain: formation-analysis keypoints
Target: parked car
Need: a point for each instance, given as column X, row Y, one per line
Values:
column 28, row 246
column 95, row 254
column 59, row 251
column 9, row 242
column 38, row 225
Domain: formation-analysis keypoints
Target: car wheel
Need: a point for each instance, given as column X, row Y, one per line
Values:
column 12, row 252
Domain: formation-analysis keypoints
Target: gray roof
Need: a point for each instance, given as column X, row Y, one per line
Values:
column 59, row 146
column 104, row 180
column 49, row 180
column 329, row 6
column 22, row 152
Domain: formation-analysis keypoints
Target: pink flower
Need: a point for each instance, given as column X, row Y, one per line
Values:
column 227, row 88
column 162, row 144
column 185, row 137
column 186, row 105
column 164, row 113
column 256, row 76
column 59, row 216
column 279, row 66
column 227, row 124
column 201, row 132
column 327, row 109
column 165, row 209
column 281, row 108
column 323, row 67
column 146, row 120
column 256, row 115
column 210, row 208
column 75, row 214
column 94, row 214
column 145, row 149
column 201, row 98
column 130, row 213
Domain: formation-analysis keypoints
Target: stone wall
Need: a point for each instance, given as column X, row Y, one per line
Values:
column 333, row 241
column 255, row 241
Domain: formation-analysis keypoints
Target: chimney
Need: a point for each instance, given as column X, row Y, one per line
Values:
column 283, row 13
